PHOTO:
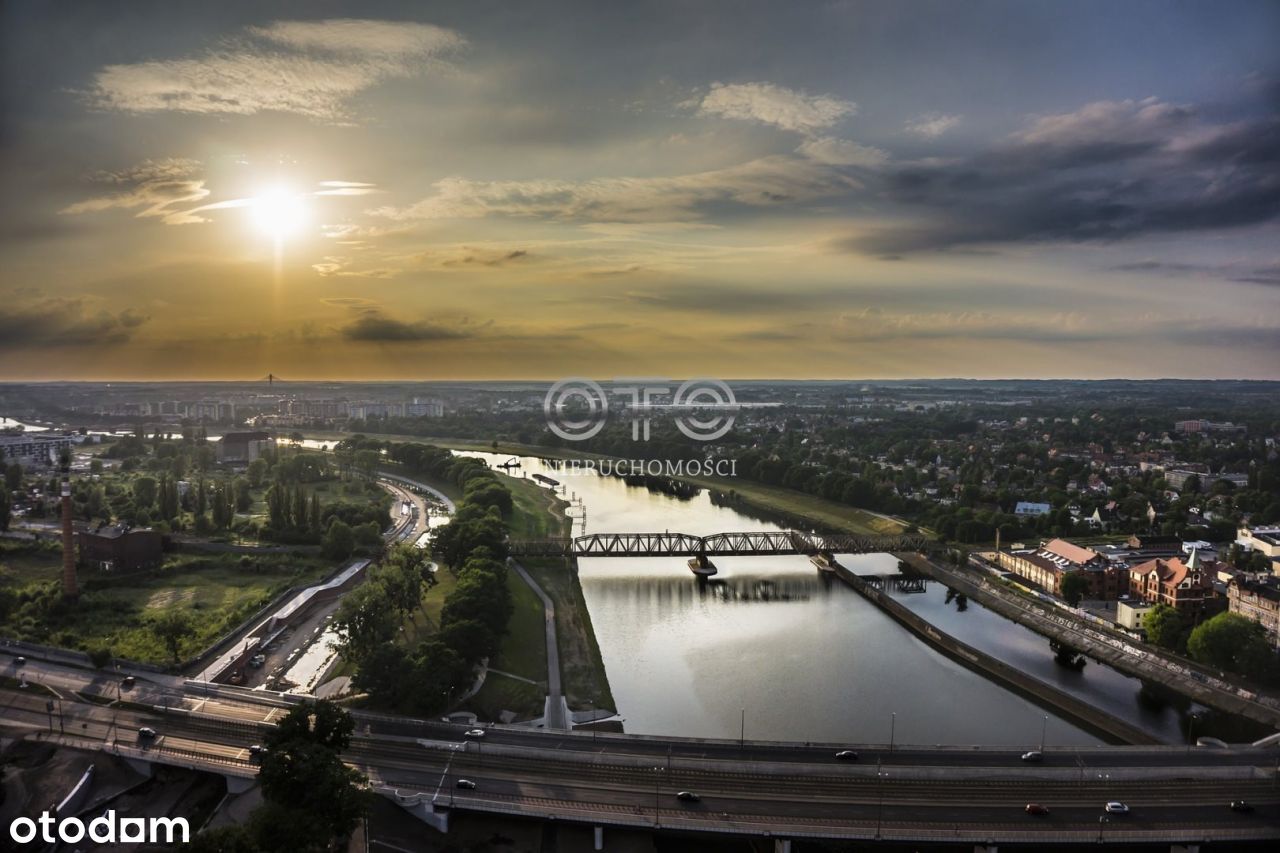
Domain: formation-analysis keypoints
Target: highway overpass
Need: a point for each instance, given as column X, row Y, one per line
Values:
column 782, row 790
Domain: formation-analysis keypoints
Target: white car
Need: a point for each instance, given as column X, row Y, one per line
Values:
column 475, row 732
column 1116, row 807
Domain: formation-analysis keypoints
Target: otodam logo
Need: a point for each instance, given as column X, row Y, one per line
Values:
column 104, row 829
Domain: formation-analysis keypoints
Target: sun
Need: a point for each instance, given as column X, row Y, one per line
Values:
column 278, row 212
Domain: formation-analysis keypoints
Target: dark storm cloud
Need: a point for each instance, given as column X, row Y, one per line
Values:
column 1269, row 275
column 64, row 323
column 379, row 329
column 1109, row 171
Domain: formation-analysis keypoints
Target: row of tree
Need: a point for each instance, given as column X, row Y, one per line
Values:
column 1227, row 641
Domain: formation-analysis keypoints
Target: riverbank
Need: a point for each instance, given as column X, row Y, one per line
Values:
column 1063, row 704
column 1008, row 605
column 788, row 507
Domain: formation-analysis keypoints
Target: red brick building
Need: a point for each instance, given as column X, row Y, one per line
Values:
column 117, row 548
column 1187, row 586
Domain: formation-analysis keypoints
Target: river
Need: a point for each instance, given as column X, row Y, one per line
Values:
column 803, row 656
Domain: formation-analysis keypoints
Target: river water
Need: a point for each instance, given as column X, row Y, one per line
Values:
column 803, row 656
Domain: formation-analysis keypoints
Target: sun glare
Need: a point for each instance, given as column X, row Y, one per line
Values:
column 278, row 213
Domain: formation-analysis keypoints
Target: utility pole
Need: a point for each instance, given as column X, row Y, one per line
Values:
column 1044, row 730
column 893, row 724
column 742, row 729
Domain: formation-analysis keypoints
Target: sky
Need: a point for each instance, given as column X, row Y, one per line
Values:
column 481, row 190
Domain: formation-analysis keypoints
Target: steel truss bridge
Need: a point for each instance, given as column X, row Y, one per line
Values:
column 759, row 543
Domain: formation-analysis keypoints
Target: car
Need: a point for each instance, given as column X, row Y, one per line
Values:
column 1036, row 809
column 847, row 755
column 128, row 681
column 147, row 733
column 19, row 661
column 476, row 733
column 688, row 797
column 1033, row 757
column 466, row 784
column 1116, row 807
column 256, row 752
column 1241, row 806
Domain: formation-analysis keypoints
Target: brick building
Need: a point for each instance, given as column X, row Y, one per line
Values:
column 117, row 548
column 1186, row 586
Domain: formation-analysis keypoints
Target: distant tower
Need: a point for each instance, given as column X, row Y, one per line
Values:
column 70, row 586
column 271, row 380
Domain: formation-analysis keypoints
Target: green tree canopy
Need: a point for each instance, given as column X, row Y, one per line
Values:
column 1164, row 627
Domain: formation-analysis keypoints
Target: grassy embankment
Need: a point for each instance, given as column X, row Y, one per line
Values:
column 218, row 590
column 791, row 505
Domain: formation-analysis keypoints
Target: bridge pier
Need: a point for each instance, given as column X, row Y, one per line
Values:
column 782, row 845
column 599, row 838
column 701, row 566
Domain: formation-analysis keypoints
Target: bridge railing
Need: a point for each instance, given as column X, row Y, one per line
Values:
column 668, row 544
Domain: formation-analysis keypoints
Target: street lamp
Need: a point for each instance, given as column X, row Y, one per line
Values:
column 1043, row 730
column 880, row 774
column 893, row 724
column 1191, row 731
column 657, row 777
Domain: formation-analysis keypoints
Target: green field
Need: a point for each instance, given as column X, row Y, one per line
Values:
column 218, row 591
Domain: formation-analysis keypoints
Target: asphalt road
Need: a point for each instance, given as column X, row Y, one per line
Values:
column 740, row 790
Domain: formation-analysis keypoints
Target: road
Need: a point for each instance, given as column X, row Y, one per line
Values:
column 797, row 789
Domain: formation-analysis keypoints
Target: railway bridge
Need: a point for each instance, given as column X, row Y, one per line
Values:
column 701, row 549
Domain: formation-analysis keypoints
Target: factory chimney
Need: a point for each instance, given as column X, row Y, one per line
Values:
column 70, row 586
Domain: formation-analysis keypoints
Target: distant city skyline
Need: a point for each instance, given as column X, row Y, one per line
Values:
column 846, row 190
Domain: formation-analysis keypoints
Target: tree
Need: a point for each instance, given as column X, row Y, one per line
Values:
column 1163, row 626
column 13, row 477
column 5, row 510
column 1234, row 642
column 339, row 540
column 172, row 627
column 365, row 620
column 257, row 472
column 1074, row 586
column 145, row 490
column 244, row 495
column 311, row 798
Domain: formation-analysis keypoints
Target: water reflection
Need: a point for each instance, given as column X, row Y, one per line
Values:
column 1150, row 706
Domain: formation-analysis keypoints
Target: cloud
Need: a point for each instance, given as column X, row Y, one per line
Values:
column 167, row 189
column 766, row 182
column 64, row 322
column 1269, row 275
column 310, row 68
column 156, row 186
column 377, row 328
column 337, row 266
column 841, row 152
column 771, row 104
column 1108, row 171
column 932, row 125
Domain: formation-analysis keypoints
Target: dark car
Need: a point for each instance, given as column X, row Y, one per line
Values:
column 847, row 755
column 688, row 797
column 1037, row 809
column 147, row 733
column 1033, row 757
column 466, row 784
column 1241, row 806
column 256, row 752
column 128, row 681
column 19, row 660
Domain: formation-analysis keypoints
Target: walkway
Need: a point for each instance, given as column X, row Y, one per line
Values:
column 555, row 714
